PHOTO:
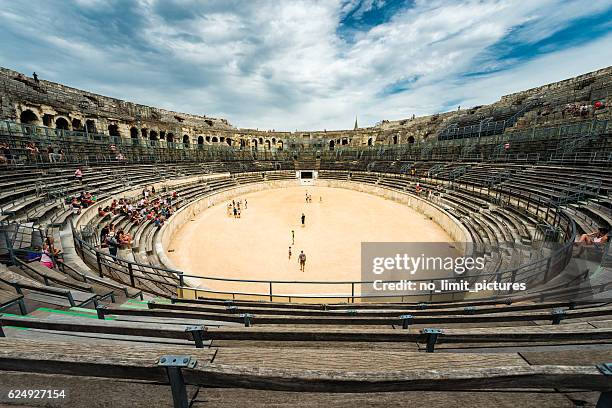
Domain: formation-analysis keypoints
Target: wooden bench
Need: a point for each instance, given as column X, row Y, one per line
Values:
column 311, row 371
column 355, row 320
column 8, row 299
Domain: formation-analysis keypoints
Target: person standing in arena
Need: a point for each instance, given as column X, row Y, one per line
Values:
column 303, row 219
column 302, row 260
column 289, row 253
column 292, row 237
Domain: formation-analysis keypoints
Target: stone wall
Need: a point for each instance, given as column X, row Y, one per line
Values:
column 445, row 220
column 46, row 103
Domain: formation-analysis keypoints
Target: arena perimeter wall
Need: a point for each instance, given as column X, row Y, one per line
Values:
column 445, row 220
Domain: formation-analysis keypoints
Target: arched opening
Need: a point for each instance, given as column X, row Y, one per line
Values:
column 280, row 145
column 242, row 143
column 186, row 140
column 344, row 142
column 144, row 133
column 200, row 140
column 268, row 144
column 261, row 140
column 228, row 141
column 254, row 143
column 170, row 138
column 47, row 120
column 76, row 124
column 90, row 126
column 332, row 144
column 153, row 135
column 207, row 139
column 214, row 139
column 370, row 142
column 274, row 141
column 113, row 130
column 411, row 139
column 61, row 123
column 134, row 133
column 395, row 139
column 162, row 135
column 28, row 117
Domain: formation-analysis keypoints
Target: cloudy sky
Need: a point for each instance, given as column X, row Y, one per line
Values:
column 308, row 64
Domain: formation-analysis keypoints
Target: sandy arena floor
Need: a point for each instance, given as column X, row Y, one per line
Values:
column 256, row 245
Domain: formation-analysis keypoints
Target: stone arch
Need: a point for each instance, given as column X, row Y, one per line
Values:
column 153, row 135
column 185, row 139
column 214, row 139
column 162, row 135
column 228, row 141
column 47, row 120
column 76, row 124
column 133, row 133
column 200, row 140
column 62, row 123
column 113, row 130
column 170, row 137
column 332, row 144
column 274, row 141
column 280, row 145
column 395, row 139
column 370, row 141
column 254, row 143
column 261, row 140
column 207, row 139
column 28, row 117
column 144, row 132
column 345, row 141
column 90, row 126
column 411, row 139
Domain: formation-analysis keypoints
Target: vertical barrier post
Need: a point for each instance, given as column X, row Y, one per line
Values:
column 99, row 262
column 131, row 272
column 173, row 365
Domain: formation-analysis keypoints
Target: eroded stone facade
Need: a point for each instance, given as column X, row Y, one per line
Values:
column 44, row 103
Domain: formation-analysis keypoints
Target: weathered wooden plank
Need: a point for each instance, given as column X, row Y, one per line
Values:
column 298, row 345
column 591, row 356
column 382, row 311
column 359, row 360
column 503, row 377
column 356, row 320
column 140, row 363
column 104, row 360
column 100, row 326
column 501, row 334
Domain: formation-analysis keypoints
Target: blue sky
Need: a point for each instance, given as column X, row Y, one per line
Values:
column 306, row 64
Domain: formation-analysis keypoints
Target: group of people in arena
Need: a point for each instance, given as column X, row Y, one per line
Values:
column 235, row 208
column 82, row 200
column 147, row 208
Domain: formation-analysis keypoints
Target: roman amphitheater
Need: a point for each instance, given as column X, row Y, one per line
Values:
column 152, row 258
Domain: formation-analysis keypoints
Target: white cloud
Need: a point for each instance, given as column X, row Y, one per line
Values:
column 283, row 65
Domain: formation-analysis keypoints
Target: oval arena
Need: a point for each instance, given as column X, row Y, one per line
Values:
column 145, row 255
